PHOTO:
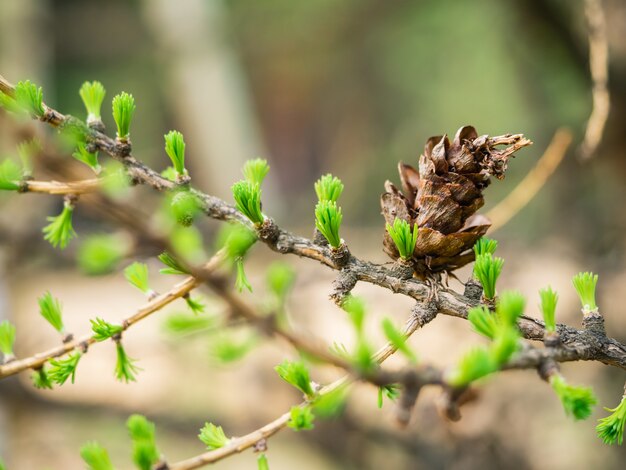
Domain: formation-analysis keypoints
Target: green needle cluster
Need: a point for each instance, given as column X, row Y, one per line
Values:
column 585, row 285
column 404, row 237
column 301, row 418
column 296, row 374
column 256, row 170
column 175, row 149
column 60, row 231
column 123, row 110
column 96, row 457
column 63, row 369
column 142, row 434
column 213, row 436
column 487, row 269
column 549, row 299
column 137, row 275
column 611, row 428
column 10, row 175
column 328, row 220
column 247, row 197
column 92, row 94
column 7, row 339
column 578, row 402
column 29, row 97
column 328, row 188
column 485, row 245
column 50, row 309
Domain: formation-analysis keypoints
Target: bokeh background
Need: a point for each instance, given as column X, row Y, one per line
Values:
column 348, row 87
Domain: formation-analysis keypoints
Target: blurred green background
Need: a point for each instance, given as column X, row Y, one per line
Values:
column 349, row 87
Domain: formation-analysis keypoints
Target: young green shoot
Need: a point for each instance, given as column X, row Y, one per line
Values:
column 241, row 281
column 195, row 304
column 261, row 463
column 328, row 220
column 398, row 340
column 483, row 321
column 88, row 158
column 213, row 436
column 142, row 433
column 29, row 97
column 175, row 149
column 63, row 369
column 7, row 340
column 60, row 231
column 391, row 392
column 123, row 110
column 611, row 428
column 27, row 151
column 549, row 299
column 104, row 330
column 585, row 285
column 137, row 275
column 92, row 94
column 404, row 237
column 255, row 170
column 125, row 367
column 485, row 245
column 578, row 402
column 41, row 380
column 96, row 457
column 185, row 205
column 10, row 175
column 301, row 418
column 173, row 266
column 328, row 188
column 51, row 309
column 296, row 374
column 247, row 197
column 475, row 364
column 280, row 278
column 355, row 308
column 487, row 269
column 510, row 307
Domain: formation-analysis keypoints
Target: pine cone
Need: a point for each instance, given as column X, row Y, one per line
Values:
column 443, row 195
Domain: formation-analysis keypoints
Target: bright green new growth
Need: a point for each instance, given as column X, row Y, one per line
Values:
column 123, row 110
column 585, row 285
column 63, row 369
column 483, row 321
column 247, row 197
column 226, row 348
column 578, row 402
column 362, row 358
column 145, row 452
column 90, row 159
column 549, row 298
column 255, row 170
column 59, row 231
column 103, row 330
column 173, row 266
column 611, row 428
column 301, row 419
column 10, row 175
column 404, row 237
column 475, row 364
column 332, row 403
column 241, row 281
column 175, row 149
column 96, row 457
column 510, row 307
column 236, row 240
column 355, row 307
column 125, row 367
column 137, row 275
column 92, row 94
column 487, row 269
column 7, row 338
column 328, row 188
column 391, row 391
column 29, row 98
column 398, row 340
column 328, row 220
column 100, row 254
column 505, row 344
column 195, row 304
column 262, row 463
column 213, row 436
column 41, row 380
column 50, row 309
column 485, row 245
column 296, row 374
column 185, row 205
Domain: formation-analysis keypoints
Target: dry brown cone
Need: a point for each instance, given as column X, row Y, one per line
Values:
column 443, row 195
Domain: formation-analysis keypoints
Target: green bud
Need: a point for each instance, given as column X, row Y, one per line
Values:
column 92, row 94
column 213, row 436
column 404, row 237
column 123, row 110
column 328, row 188
column 175, row 149
column 585, row 285
column 255, row 170
column 328, row 220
